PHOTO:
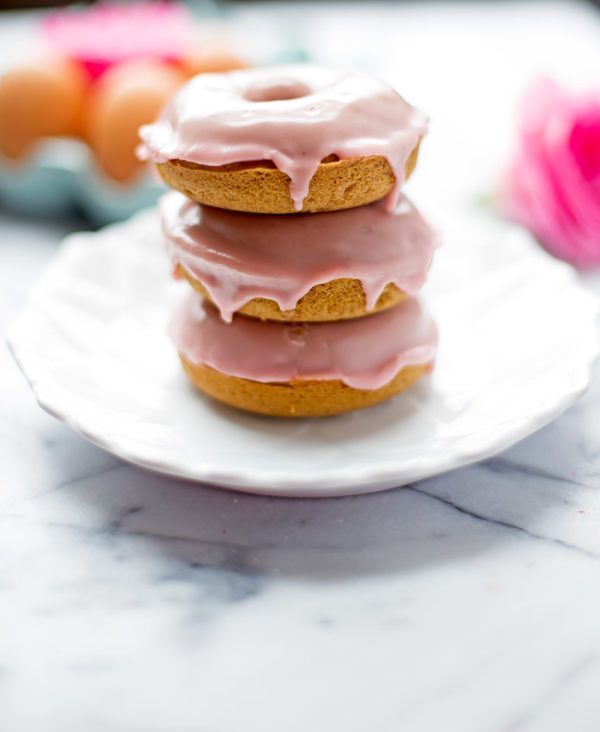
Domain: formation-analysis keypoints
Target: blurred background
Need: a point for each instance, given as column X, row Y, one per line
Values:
column 77, row 81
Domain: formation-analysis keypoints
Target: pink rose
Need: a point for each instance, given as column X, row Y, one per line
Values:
column 553, row 185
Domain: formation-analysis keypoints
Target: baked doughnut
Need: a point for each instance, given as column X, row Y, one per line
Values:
column 261, row 188
column 339, row 299
column 303, row 370
column 285, row 139
column 303, row 267
column 296, row 398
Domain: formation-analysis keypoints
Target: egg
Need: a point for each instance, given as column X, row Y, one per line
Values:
column 42, row 98
column 210, row 56
column 128, row 95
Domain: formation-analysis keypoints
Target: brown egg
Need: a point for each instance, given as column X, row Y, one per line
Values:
column 127, row 96
column 43, row 98
column 213, row 57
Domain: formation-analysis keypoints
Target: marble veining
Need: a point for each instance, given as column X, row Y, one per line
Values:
column 468, row 602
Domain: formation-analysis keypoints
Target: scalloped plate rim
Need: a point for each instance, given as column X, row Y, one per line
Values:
column 329, row 488
column 331, row 481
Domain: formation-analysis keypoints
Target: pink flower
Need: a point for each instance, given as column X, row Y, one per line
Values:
column 108, row 33
column 553, row 184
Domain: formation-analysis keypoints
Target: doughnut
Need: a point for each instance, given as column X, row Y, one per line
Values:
column 262, row 188
column 302, row 267
column 303, row 370
column 285, row 139
column 338, row 299
column 296, row 398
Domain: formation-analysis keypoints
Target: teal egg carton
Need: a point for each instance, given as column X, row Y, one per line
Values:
column 61, row 176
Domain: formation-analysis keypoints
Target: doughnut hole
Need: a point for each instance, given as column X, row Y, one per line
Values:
column 277, row 91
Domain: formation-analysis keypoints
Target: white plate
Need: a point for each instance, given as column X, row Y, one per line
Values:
column 517, row 341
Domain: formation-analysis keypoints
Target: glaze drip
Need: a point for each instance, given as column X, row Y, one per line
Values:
column 294, row 116
column 365, row 353
column 240, row 256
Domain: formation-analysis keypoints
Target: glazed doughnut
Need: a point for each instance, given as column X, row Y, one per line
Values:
column 339, row 299
column 302, row 267
column 285, row 139
column 296, row 398
column 303, row 370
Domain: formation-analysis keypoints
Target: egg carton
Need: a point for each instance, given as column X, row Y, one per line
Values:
column 62, row 176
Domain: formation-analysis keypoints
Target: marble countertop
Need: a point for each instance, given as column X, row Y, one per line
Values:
column 130, row 602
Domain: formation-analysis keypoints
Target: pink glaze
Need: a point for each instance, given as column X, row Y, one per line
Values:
column 239, row 256
column 365, row 353
column 294, row 116
column 109, row 33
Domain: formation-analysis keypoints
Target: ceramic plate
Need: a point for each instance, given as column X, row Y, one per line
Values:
column 517, row 339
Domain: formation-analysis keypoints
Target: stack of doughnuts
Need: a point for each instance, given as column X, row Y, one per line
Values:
column 287, row 220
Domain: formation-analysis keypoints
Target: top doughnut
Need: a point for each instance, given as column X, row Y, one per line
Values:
column 285, row 139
